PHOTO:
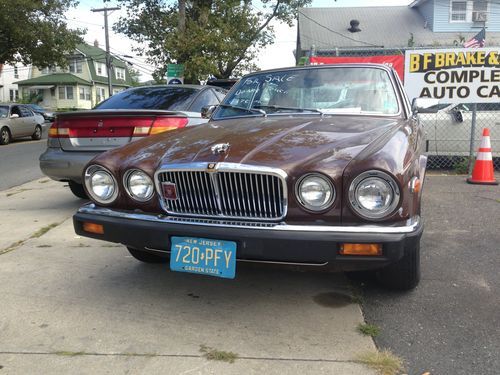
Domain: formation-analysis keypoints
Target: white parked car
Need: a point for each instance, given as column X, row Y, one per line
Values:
column 17, row 121
column 448, row 130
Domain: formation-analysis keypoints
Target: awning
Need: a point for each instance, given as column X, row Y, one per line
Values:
column 40, row 87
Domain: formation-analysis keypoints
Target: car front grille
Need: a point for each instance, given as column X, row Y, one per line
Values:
column 237, row 194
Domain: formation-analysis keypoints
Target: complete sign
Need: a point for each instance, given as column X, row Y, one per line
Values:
column 454, row 75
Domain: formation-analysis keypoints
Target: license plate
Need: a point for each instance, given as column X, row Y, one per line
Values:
column 203, row 255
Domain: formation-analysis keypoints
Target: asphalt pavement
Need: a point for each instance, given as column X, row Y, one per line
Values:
column 450, row 323
column 19, row 160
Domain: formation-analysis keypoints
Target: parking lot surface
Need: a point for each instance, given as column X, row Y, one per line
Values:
column 449, row 323
column 72, row 304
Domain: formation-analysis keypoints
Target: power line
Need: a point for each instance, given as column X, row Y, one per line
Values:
column 339, row 34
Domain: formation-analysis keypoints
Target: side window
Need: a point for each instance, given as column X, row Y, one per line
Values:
column 15, row 111
column 220, row 94
column 26, row 112
column 207, row 97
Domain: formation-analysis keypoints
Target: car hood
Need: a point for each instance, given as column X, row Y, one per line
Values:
column 286, row 142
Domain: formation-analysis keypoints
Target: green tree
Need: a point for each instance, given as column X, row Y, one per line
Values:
column 219, row 37
column 35, row 32
column 135, row 76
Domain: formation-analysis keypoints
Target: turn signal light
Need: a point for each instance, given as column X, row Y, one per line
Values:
column 93, row 228
column 370, row 249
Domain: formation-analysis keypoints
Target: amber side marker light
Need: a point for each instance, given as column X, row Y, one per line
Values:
column 370, row 249
column 93, row 228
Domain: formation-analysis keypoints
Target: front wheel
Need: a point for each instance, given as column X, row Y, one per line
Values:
column 4, row 136
column 405, row 273
column 37, row 135
column 78, row 190
column 145, row 256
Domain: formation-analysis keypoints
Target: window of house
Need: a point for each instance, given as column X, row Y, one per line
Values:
column 100, row 69
column 13, row 95
column 16, row 72
column 120, row 73
column 100, row 94
column 458, row 11
column 75, row 65
column 49, row 70
column 467, row 11
column 84, row 93
column 66, row 92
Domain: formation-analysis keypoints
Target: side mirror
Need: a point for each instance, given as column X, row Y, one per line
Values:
column 14, row 115
column 206, row 112
column 419, row 104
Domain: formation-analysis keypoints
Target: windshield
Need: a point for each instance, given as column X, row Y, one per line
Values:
column 36, row 107
column 316, row 90
column 4, row 111
column 161, row 97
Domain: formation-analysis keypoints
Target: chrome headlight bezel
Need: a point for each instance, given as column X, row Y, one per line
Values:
column 365, row 212
column 327, row 204
column 126, row 184
column 89, row 173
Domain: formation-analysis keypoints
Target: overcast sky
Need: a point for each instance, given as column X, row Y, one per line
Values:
column 279, row 54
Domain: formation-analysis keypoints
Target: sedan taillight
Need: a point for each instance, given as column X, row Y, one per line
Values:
column 160, row 125
column 56, row 132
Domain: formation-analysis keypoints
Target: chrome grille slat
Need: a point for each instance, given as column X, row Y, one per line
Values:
column 225, row 193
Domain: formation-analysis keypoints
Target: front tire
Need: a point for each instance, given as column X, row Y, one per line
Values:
column 37, row 135
column 405, row 273
column 78, row 190
column 145, row 256
column 4, row 136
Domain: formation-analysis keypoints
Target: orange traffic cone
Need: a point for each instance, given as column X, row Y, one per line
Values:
column 482, row 173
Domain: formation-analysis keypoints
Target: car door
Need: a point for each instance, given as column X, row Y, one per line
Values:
column 17, row 127
column 29, row 120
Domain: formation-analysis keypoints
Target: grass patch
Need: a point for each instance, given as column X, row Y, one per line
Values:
column 67, row 353
column 461, row 166
column 40, row 232
column 384, row 362
column 16, row 192
column 368, row 329
column 218, row 355
column 12, row 246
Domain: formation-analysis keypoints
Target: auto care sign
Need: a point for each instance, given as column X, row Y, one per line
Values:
column 456, row 75
column 395, row 61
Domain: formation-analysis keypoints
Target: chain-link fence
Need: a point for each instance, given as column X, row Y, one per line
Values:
column 448, row 128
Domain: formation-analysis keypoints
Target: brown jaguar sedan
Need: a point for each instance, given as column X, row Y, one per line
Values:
column 317, row 165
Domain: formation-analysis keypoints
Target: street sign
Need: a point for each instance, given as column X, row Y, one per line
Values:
column 175, row 80
column 175, row 70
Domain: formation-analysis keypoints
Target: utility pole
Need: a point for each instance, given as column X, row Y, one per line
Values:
column 108, row 55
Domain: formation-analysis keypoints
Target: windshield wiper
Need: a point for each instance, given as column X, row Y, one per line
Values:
column 279, row 107
column 251, row 110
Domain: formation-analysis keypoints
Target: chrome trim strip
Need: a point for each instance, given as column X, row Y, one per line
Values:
column 253, row 260
column 223, row 201
column 409, row 227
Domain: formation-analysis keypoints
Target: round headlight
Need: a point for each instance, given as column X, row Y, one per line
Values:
column 374, row 194
column 138, row 185
column 315, row 192
column 101, row 184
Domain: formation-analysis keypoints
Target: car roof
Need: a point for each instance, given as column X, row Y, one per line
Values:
column 187, row 86
column 322, row 66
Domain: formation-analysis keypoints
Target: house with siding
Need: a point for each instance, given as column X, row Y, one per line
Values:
column 80, row 85
column 355, row 31
column 9, row 91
